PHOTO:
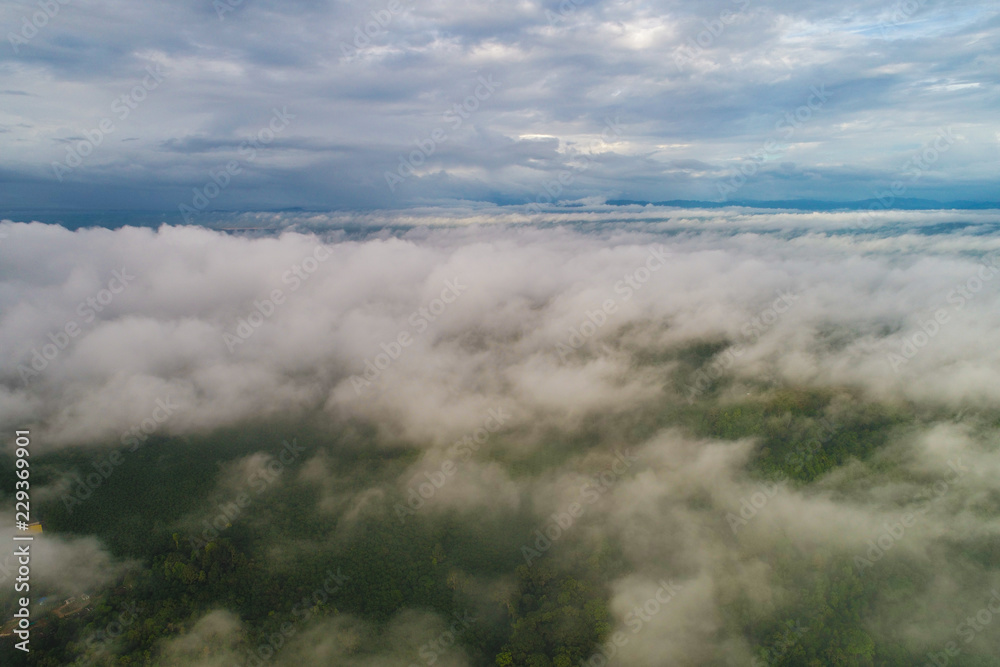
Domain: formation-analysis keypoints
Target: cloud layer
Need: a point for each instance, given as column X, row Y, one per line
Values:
column 181, row 330
column 541, row 367
column 833, row 101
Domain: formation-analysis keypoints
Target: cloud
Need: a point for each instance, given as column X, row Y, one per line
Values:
column 218, row 629
column 688, row 89
column 61, row 566
column 690, row 342
column 225, row 327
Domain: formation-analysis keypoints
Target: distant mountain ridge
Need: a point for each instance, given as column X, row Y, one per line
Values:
column 816, row 205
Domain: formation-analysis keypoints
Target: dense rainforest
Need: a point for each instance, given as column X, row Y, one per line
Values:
column 295, row 555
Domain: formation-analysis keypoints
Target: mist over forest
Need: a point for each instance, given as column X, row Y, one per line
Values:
column 475, row 438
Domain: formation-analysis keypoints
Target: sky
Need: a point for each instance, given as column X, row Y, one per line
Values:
column 114, row 104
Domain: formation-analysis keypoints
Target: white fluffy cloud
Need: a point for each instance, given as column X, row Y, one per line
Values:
column 434, row 328
column 448, row 323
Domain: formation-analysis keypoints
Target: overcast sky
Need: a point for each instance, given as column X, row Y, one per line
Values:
column 618, row 99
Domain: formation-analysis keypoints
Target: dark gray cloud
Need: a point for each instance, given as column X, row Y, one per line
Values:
column 698, row 88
